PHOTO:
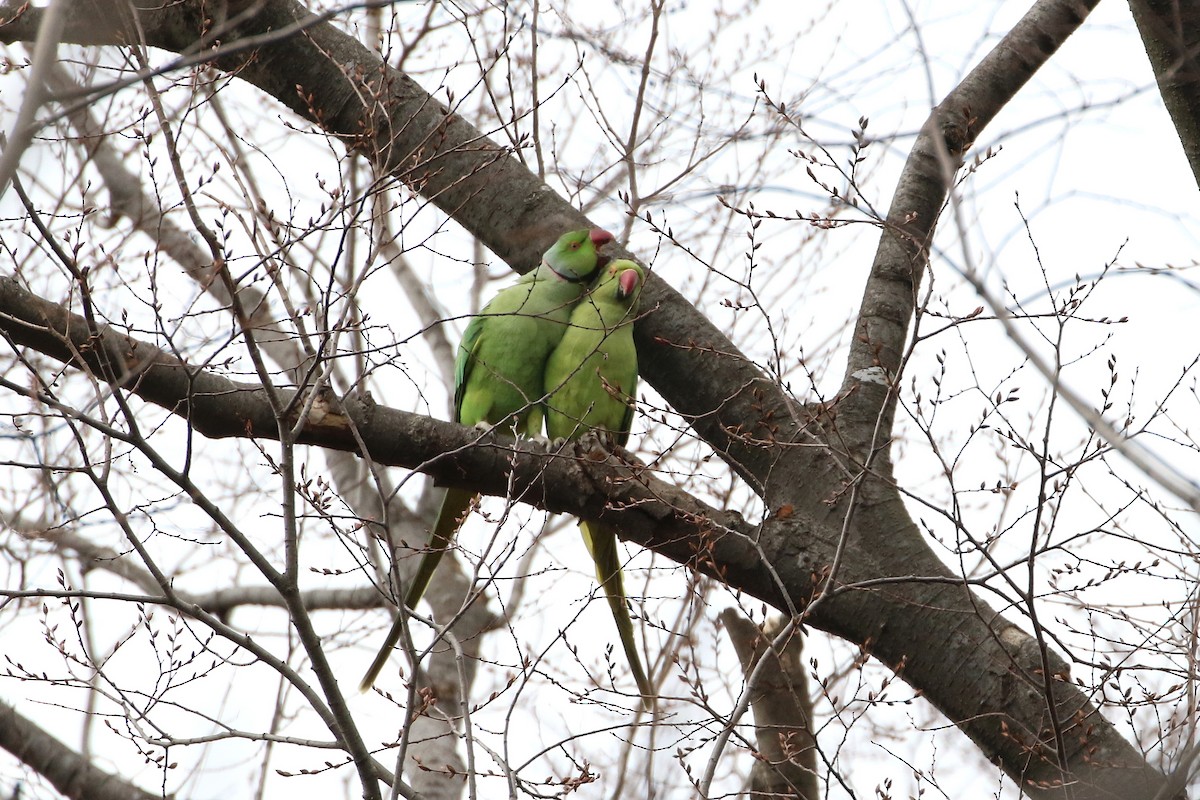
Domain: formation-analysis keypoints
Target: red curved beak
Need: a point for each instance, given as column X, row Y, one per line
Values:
column 600, row 237
column 627, row 282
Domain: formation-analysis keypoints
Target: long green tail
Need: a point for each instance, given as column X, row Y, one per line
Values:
column 450, row 518
column 601, row 542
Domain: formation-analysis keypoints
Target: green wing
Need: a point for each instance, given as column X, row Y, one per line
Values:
column 622, row 434
column 591, row 377
column 464, row 361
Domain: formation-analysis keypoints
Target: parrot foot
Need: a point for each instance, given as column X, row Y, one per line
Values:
column 488, row 431
column 595, row 445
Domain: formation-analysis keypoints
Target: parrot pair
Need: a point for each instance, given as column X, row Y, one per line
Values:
column 537, row 340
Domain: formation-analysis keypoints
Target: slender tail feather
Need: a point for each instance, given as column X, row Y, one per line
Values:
column 381, row 658
column 601, row 542
column 450, row 517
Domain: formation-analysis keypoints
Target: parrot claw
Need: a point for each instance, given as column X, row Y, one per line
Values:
column 593, row 445
column 487, row 431
column 594, row 438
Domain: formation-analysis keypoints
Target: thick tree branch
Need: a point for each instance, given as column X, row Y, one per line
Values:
column 890, row 297
column 1170, row 31
column 330, row 78
column 783, row 719
column 70, row 773
column 646, row 510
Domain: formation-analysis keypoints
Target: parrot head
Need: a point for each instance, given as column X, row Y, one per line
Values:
column 624, row 279
column 574, row 258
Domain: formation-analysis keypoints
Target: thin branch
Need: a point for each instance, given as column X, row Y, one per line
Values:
column 45, row 56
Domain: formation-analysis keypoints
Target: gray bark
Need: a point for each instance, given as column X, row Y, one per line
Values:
column 1170, row 31
column 786, row 765
column 68, row 772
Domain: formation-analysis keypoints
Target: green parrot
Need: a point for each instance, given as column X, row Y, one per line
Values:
column 498, row 376
column 591, row 381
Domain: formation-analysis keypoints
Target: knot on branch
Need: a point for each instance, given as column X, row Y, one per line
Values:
column 959, row 127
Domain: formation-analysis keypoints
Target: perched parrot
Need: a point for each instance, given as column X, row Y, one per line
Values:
column 498, row 377
column 591, row 381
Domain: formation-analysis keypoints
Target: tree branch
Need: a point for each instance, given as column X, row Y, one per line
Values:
column 70, row 773
column 890, row 296
column 787, row 763
column 1170, row 32
column 597, row 486
column 331, row 79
